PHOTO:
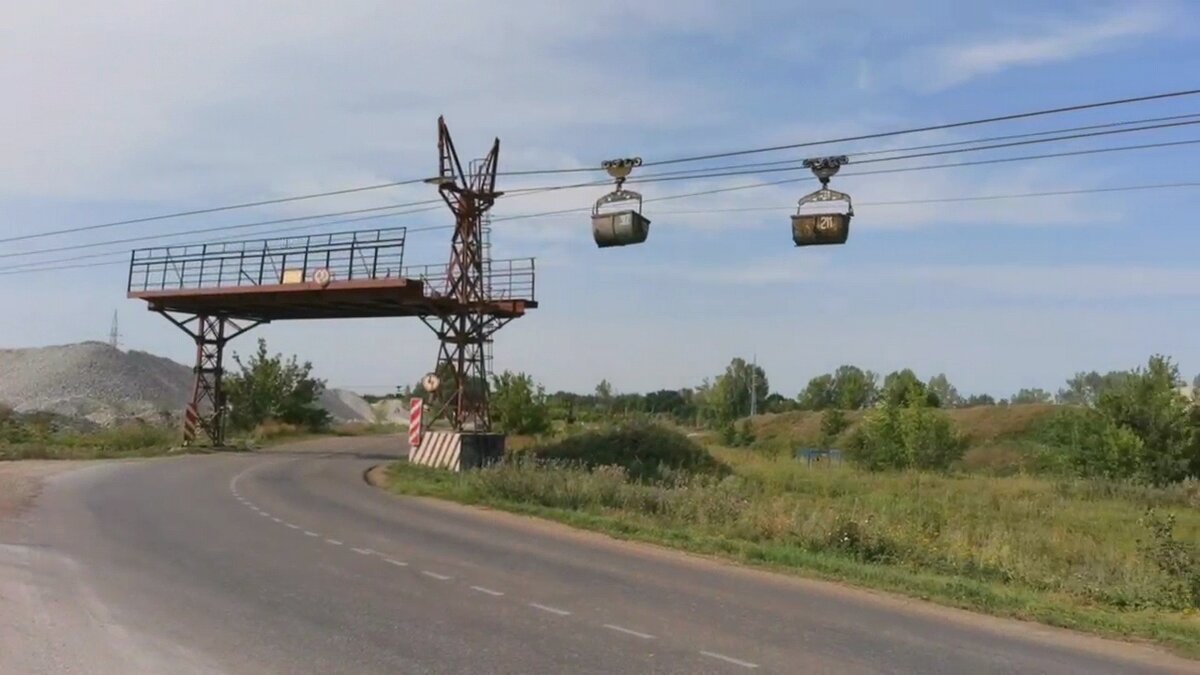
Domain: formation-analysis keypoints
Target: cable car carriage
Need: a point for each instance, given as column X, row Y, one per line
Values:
column 823, row 217
column 622, row 226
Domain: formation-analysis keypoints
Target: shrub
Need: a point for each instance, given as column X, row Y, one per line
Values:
column 646, row 451
column 1177, row 560
column 833, row 423
column 272, row 429
column 518, row 405
column 1093, row 446
column 270, row 388
column 913, row 437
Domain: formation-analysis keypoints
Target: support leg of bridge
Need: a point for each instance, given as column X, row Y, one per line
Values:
column 206, row 410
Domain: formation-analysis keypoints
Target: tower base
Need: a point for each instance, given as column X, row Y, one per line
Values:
column 458, row 451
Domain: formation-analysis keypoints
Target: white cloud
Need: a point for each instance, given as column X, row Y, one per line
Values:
column 1060, row 40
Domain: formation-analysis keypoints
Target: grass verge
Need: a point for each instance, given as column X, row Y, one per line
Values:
column 1068, row 554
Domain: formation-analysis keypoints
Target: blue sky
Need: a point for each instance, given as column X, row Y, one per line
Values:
column 141, row 108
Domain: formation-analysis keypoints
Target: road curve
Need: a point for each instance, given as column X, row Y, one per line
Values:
column 287, row 562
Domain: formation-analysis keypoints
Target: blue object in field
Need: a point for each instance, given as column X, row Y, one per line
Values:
column 819, row 455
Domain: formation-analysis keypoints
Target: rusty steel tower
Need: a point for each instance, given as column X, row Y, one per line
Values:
column 465, row 333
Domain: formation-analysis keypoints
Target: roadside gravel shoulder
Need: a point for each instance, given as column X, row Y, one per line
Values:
column 20, row 482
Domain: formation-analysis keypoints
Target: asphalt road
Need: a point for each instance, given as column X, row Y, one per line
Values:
column 288, row 562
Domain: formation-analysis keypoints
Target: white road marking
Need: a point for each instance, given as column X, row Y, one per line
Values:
column 294, row 527
column 335, row 542
column 489, row 591
column 277, row 520
column 311, row 533
column 620, row 629
column 552, row 610
column 397, row 563
column 264, row 514
column 730, row 659
column 362, row 551
column 435, row 575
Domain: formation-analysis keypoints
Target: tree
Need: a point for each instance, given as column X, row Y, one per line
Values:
column 854, row 388
column 1034, row 395
column 911, row 436
column 819, row 394
column 269, row 388
column 518, row 405
column 833, row 423
column 729, row 397
column 604, row 396
column 778, row 403
column 1086, row 388
column 1148, row 404
column 947, row 395
column 904, row 388
column 975, row 400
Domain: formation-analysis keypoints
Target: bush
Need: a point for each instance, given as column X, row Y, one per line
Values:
column 269, row 388
column 1140, row 428
column 1177, row 560
column 518, row 405
column 1092, row 445
column 833, row 423
column 647, row 452
column 914, row 437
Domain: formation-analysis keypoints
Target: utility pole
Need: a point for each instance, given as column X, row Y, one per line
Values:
column 754, row 386
column 114, row 335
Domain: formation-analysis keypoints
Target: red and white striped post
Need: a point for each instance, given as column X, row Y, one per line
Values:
column 414, row 423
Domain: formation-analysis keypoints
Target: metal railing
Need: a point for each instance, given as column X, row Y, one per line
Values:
column 509, row 279
column 363, row 254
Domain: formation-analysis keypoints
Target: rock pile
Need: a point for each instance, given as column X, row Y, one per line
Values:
column 104, row 385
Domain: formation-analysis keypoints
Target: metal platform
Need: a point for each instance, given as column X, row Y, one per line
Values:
column 355, row 274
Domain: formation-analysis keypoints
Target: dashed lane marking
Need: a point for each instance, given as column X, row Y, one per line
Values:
column 729, row 659
column 362, row 551
column 310, row 533
column 335, row 542
column 621, row 629
column 291, row 526
column 552, row 610
column 488, row 591
column 397, row 563
column 435, row 575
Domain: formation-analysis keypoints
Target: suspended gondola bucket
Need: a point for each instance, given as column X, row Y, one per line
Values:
column 619, row 226
column 823, row 217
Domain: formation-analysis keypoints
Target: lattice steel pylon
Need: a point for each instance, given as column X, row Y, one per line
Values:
column 465, row 334
column 207, row 407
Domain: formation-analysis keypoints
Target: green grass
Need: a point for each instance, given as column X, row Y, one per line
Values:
column 981, row 426
column 115, row 443
column 1062, row 552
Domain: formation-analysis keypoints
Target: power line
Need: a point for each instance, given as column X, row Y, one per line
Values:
column 214, row 209
column 932, row 167
column 718, row 173
column 729, row 169
column 222, row 228
column 983, row 162
column 947, row 144
column 364, row 188
column 935, row 127
column 933, row 200
column 122, row 255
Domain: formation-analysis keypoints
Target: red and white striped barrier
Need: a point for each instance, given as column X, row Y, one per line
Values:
column 414, row 423
column 190, row 417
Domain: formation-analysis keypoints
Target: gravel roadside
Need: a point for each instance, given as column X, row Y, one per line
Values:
column 20, row 482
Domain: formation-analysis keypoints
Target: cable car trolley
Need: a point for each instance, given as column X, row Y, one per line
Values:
column 823, row 217
column 623, row 226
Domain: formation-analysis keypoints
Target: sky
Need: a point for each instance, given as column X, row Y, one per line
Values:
column 130, row 109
